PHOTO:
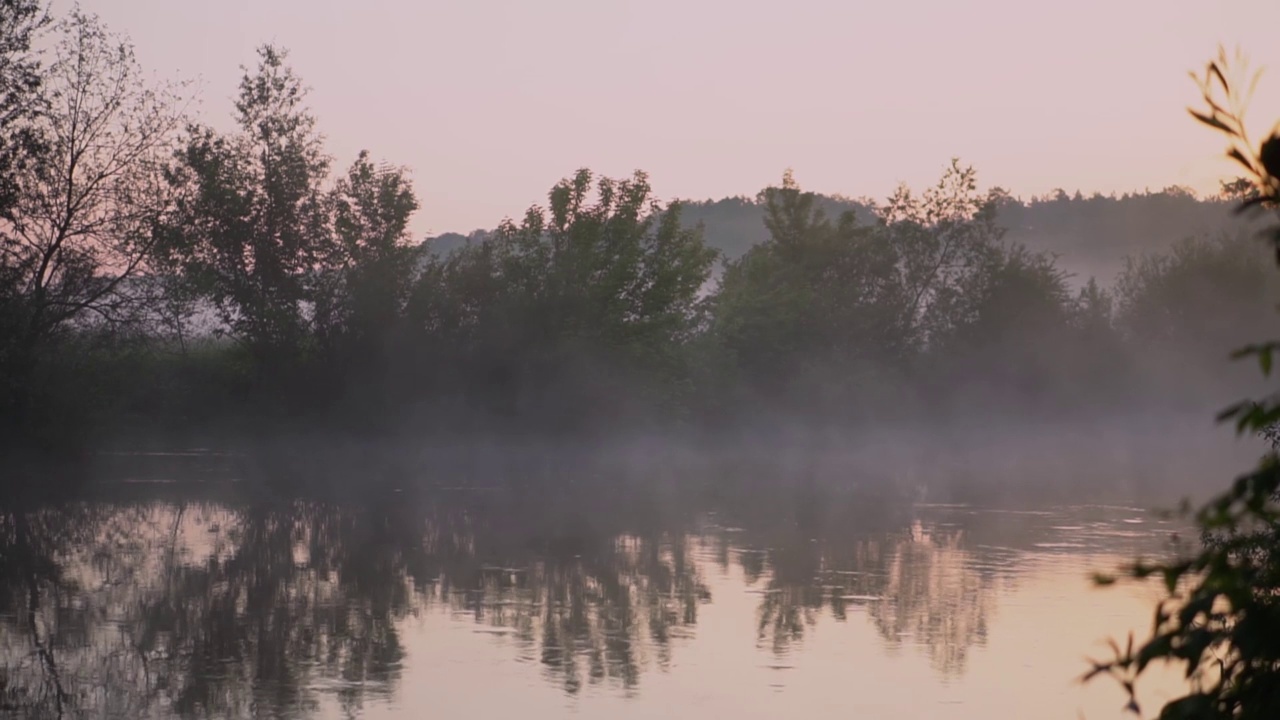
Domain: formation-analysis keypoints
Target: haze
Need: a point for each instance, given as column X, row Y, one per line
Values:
column 294, row 424
column 490, row 102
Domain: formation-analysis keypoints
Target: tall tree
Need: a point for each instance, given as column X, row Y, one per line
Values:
column 578, row 295
column 372, row 264
column 80, row 232
column 21, row 21
column 251, row 231
column 364, row 287
column 816, row 294
column 822, row 310
column 946, row 238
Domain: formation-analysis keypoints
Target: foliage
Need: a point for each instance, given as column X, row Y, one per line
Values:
column 251, row 228
column 579, row 290
column 1184, row 306
column 78, row 238
column 373, row 263
column 844, row 315
column 817, row 291
column 242, row 283
column 948, row 243
column 1221, row 620
column 1214, row 290
column 1091, row 235
column 1017, row 340
column 310, row 277
column 21, row 23
column 367, row 278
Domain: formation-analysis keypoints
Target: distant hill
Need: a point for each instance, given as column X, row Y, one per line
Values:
column 733, row 225
column 446, row 243
column 1091, row 236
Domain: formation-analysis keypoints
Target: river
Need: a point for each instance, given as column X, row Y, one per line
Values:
column 157, row 602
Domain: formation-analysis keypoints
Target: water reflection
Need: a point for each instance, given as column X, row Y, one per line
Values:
column 157, row 609
column 173, row 607
column 587, row 614
column 933, row 595
column 918, row 585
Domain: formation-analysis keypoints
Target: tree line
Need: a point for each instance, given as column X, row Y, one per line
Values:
column 1091, row 235
column 162, row 277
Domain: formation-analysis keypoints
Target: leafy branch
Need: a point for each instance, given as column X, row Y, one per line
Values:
column 1221, row 618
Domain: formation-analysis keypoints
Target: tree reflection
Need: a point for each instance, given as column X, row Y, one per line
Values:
column 157, row 609
column 589, row 616
column 932, row 594
column 917, row 585
column 182, row 607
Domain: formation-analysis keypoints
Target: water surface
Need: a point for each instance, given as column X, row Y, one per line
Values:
column 462, row 605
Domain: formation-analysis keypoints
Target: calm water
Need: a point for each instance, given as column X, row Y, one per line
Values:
column 466, row 605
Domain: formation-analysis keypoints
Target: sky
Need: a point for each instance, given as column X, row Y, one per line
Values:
column 490, row 102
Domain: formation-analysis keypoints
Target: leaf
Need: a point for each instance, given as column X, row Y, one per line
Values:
column 1234, row 410
column 1216, row 70
column 1210, row 120
column 1187, row 615
column 1191, row 707
column 1235, row 154
column 1253, row 84
column 1194, row 647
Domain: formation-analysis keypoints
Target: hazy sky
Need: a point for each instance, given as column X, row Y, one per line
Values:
column 489, row 102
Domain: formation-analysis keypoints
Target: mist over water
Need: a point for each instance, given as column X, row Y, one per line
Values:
column 267, row 452
column 207, row 598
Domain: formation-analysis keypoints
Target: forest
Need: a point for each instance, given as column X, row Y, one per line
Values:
column 167, row 284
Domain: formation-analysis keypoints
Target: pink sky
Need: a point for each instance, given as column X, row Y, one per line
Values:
column 489, row 102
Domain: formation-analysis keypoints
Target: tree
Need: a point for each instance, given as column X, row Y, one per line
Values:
column 365, row 285
column 1017, row 296
column 1221, row 619
column 1201, row 294
column 1237, row 190
column 946, row 238
column 816, row 296
column 251, row 231
column 827, row 312
column 580, row 295
column 21, row 22
column 373, row 262
column 79, row 236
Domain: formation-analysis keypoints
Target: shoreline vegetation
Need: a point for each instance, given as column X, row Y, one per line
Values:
column 165, row 285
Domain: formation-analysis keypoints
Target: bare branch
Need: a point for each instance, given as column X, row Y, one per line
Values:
column 81, row 233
